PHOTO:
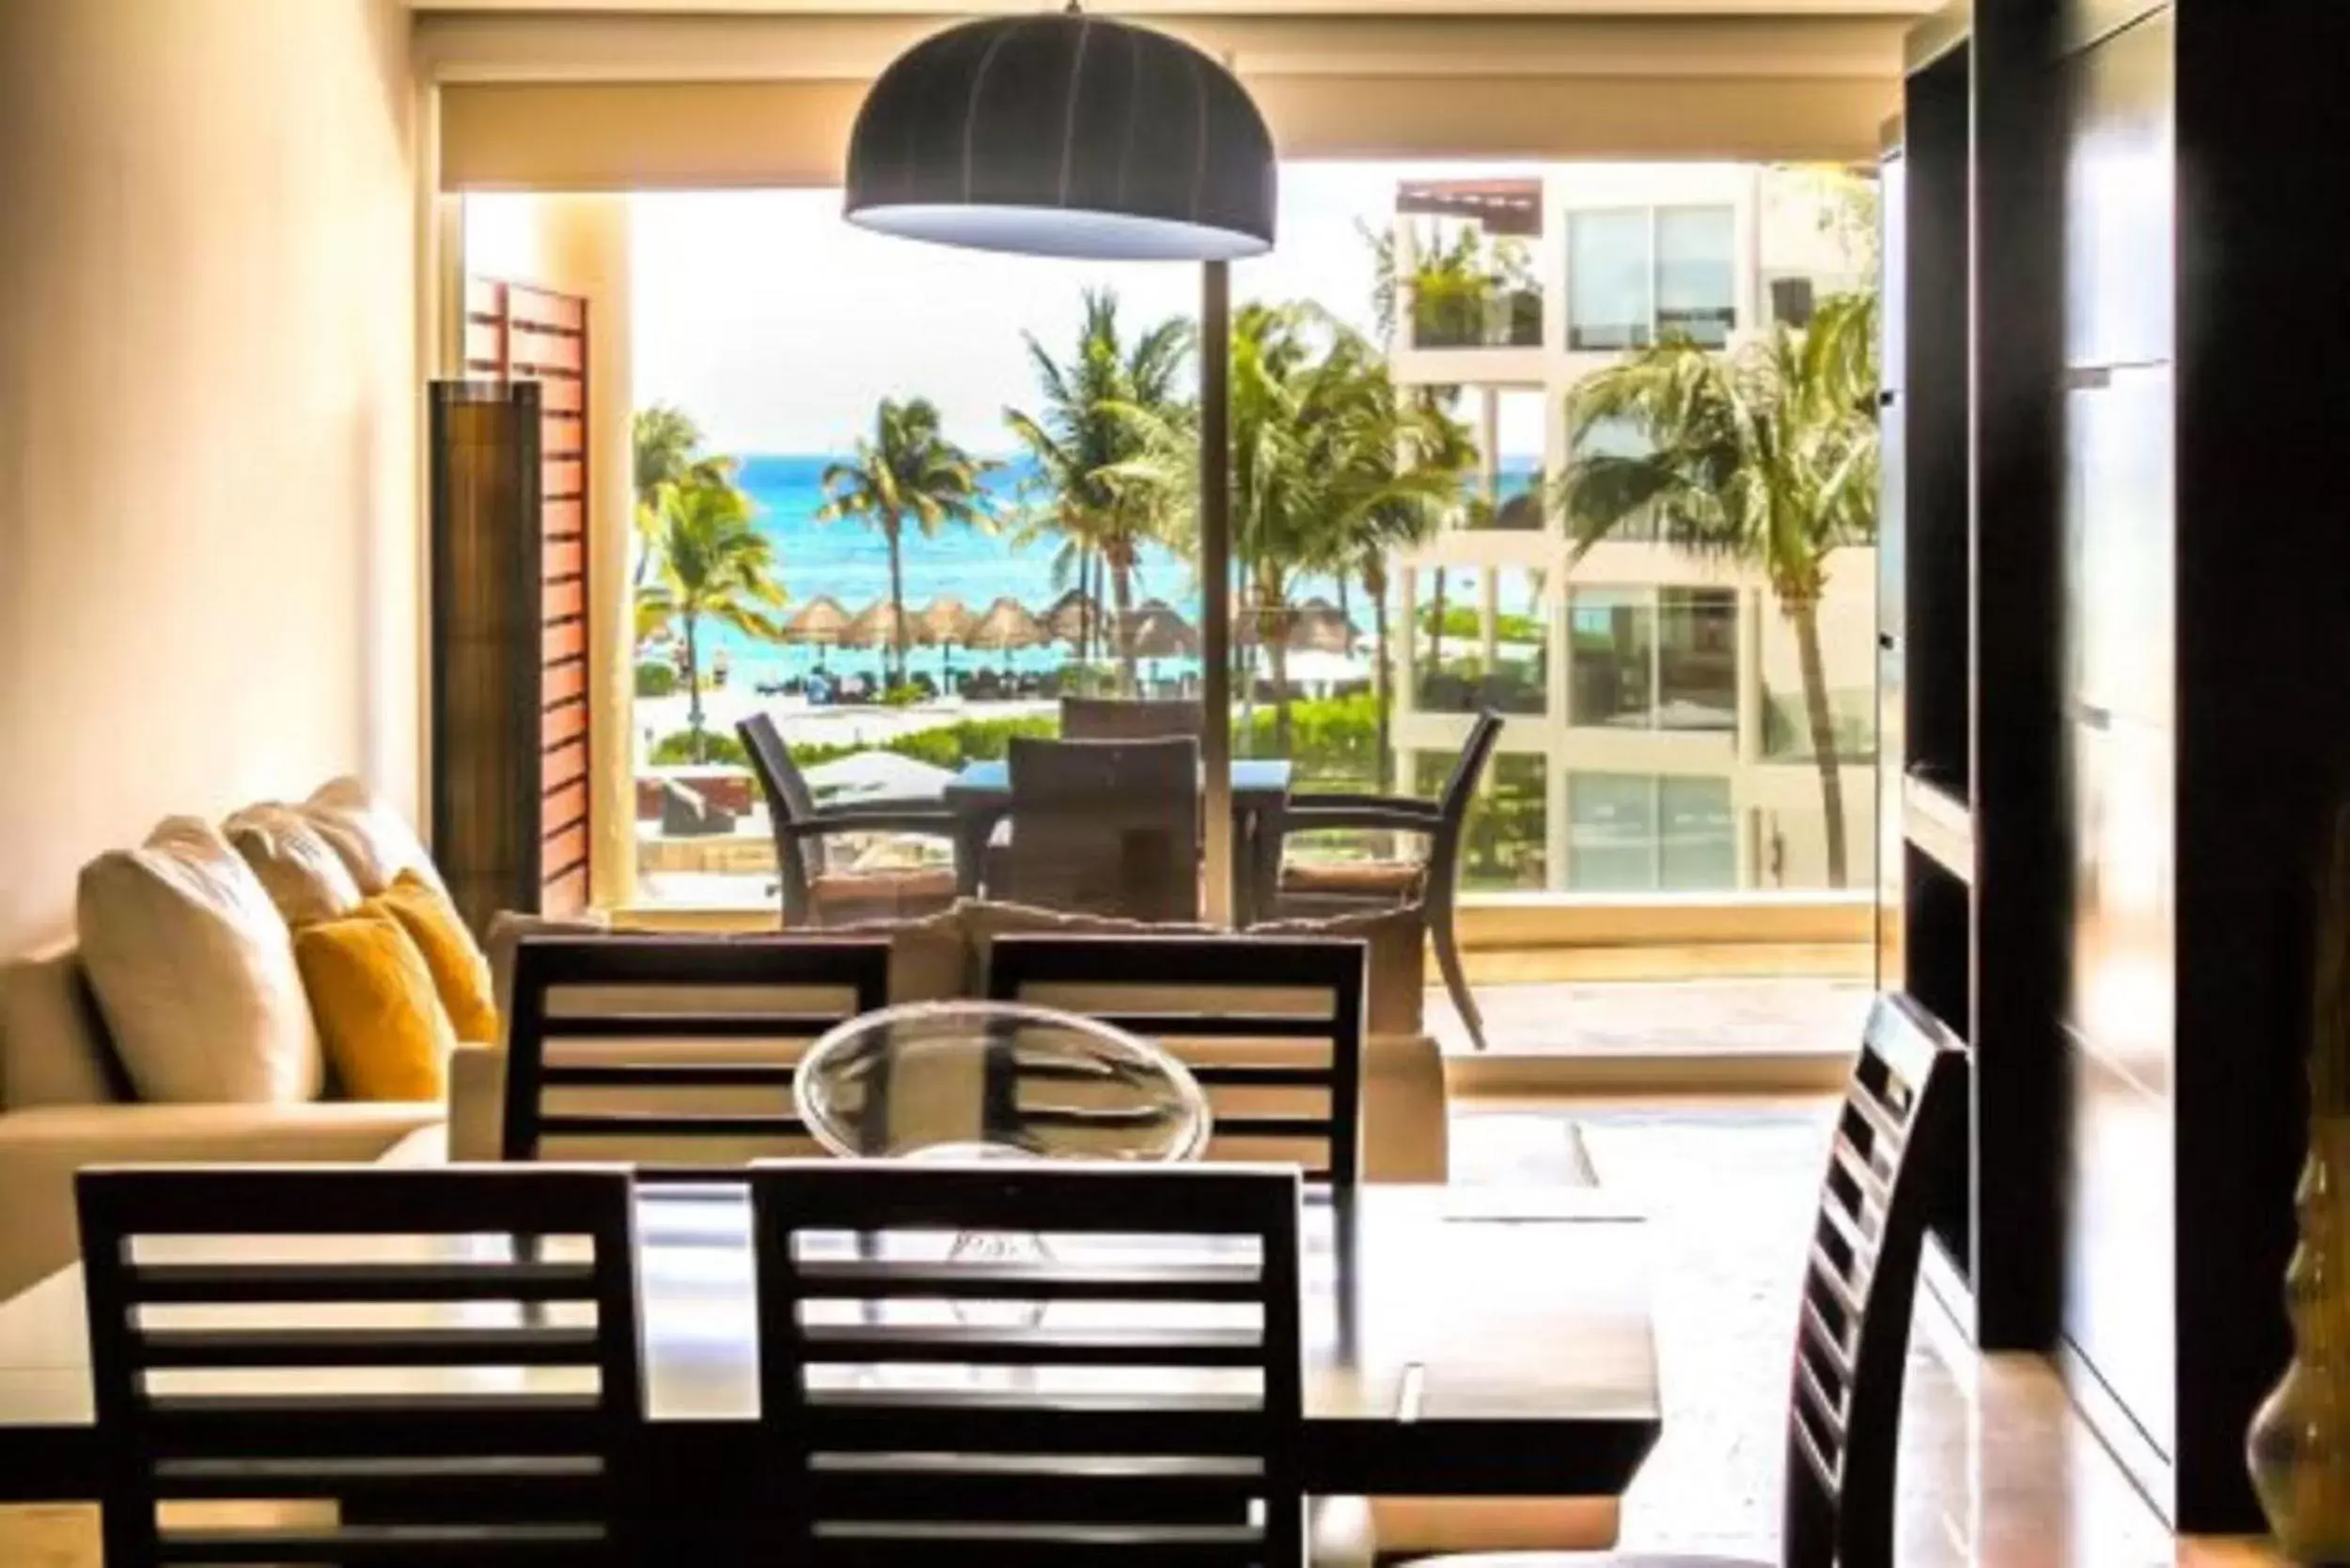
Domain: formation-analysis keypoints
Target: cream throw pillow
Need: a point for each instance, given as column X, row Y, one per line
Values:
column 374, row 840
column 306, row 879
column 193, row 969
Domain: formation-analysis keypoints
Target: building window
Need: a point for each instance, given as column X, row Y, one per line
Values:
column 1634, row 833
column 1652, row 658
column 1639, row 275
column 1504, row 846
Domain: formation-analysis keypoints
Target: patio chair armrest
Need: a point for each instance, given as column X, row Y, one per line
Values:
column 1378, row 818
column 874, row 819
column 1337, row 799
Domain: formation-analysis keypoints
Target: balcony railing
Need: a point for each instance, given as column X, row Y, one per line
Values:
column 1509, row 319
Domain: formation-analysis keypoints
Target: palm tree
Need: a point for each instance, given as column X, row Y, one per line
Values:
column 668, row 444
column 906, row 470
column 1100, row 490
column 1404, row 458
column 1765, row 458
column 710, row 560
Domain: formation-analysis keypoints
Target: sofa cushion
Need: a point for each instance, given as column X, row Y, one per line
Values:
column 508, row 928
column 985, row 919
column 306, row 879
column 385, row 1033
column 53, row 1049
column 461, row 970
column 928, row 961
column 1398, row 941
column 194, row 972
column 374, row 840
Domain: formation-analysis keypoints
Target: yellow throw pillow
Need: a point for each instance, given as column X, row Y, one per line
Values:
column 386, row 1035
column 461, row 971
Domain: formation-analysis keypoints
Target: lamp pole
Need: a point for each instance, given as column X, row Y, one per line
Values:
column 1216, row 579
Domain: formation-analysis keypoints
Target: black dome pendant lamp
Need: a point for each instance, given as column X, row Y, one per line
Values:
column 1064, row 135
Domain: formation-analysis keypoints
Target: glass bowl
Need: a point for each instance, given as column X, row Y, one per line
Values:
column 996, row 1080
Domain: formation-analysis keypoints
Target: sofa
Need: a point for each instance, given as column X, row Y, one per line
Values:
column 944, row 956
column 68, row 1099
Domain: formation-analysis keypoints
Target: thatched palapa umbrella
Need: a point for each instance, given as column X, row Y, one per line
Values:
column 1159, row 633
column 1007, row 625
column 1071, row 617
column 821, row 622
column 1319, row 626
column 947, row 621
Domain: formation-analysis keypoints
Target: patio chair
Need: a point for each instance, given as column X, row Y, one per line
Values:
column 814, row 891
column 1107, row 718
column 1305, row 888
column 1897, row 1139
column 1102, row 828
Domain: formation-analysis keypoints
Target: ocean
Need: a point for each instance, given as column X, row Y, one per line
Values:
column 848, row 560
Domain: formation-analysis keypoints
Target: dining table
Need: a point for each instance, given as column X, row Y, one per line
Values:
column 1461, row 1341
column 980, row 796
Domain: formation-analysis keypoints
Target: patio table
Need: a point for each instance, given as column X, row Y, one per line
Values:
column 1460, row 1341
column 981, row 794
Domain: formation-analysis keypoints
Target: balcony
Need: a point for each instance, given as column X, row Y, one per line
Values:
column 1476, row 314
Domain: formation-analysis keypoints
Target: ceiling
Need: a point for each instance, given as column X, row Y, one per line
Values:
column 1744, row 9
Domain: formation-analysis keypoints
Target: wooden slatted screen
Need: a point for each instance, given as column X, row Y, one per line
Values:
column 516, row 332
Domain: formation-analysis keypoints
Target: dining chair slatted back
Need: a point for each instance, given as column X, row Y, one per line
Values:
column 1116, row 1375
column 675, row 1052
column 353, row 1364
column 1898, row 1135
column 817, row 889
column 1104, row 827
column 1272, row 1027
column 1118, row 718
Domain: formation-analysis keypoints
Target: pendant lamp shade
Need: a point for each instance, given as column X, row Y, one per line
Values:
column 1064, row 135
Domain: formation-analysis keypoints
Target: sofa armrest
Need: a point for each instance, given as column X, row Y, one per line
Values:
column 42, row 1149
column 1406, row 1119
column 477, row 1103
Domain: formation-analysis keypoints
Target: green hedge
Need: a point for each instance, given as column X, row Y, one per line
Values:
column 677, row 750
column 656, row 679
column 948, row 746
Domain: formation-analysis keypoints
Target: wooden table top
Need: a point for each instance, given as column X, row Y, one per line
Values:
column 1458, row 1340
column 1252, row 775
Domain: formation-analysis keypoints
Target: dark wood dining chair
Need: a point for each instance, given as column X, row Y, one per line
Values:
column 815, row 892
column 1146, row 1430
column 486, row 1415
column 1289, row 889
column 675, row 1052
column 1272, row 1027
column 1898, row 1137
column 1119, row 718
column 1102, row 828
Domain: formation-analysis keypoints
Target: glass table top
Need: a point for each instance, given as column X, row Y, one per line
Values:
column 979, row 1080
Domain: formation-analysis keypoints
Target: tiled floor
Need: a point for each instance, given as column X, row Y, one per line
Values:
column 1672, row 1018
column 1995, row 1468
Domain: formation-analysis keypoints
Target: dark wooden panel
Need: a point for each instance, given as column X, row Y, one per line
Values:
column 2263, row 678
column 2016, row 568
column 2124, row 936
column 1931, row 547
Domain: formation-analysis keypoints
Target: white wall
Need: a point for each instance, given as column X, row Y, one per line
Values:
column 209, row 521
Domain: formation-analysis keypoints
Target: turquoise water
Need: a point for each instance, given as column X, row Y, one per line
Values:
column 848, row 560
